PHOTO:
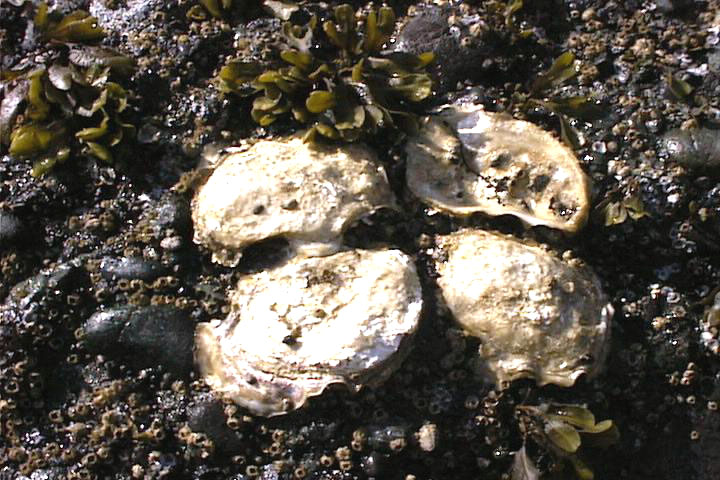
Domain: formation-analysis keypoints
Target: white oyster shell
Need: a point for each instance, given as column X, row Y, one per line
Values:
column 308, row 194
column 345, row 318
column 465, row 160
column 537, row 316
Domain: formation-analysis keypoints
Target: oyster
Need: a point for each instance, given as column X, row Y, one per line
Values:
column 293, row 330
column 465, row 160
column 537, row 316
column 308, row 194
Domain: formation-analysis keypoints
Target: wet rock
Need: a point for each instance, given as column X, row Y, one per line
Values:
column 10, row 228
column 671, row 6
column 697, row 148
column 131, row 268
column 145, row 336
column 206, row 415
column 307, row 193
column 373, row 464
column 54, row 473
column 537, row 316
column 54, row 281
column 388, row 438
column 465, row 160
column 173, row 211
column 458, row 52
column 343, row 319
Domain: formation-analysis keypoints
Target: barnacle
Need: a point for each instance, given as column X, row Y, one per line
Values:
column 354, row 90
column 216, row 8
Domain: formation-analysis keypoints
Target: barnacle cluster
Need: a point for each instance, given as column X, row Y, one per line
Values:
column 337, row 80
column 71, row 104
column 216, row 8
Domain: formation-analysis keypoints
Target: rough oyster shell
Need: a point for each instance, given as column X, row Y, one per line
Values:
column 308, row 194
column 346, row 318
column 465, row 160
column 537, row 316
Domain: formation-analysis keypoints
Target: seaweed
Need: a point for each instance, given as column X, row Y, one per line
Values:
column 336, row 78
column 584, row 107
column 216, row 9
column 76, row 27
column 72, row 104
column 564, row 431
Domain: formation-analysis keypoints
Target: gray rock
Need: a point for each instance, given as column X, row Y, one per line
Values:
column 145, row 336
column 671, row 6
column 54, row 281
column 173, row 211
column 131, row 268
column 10, row 228
column 455, row 59
column 697, row 148
column 206, row 415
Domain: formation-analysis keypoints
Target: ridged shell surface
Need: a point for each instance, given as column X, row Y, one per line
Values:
column 466, row 160
column 536, row 315
column 345, row 318
column 286, row 188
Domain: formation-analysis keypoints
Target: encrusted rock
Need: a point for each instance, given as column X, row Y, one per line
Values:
column 293, row 330
column 147, row 336
column 131, row 268
column 465, row 160
column 454, row 38
column 11, row 228
column 308, row 194
column 537, row 316
column 697, row 148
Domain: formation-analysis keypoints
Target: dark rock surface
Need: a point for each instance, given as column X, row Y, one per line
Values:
column 124, row 401
column 131, row 268
column 145, row 336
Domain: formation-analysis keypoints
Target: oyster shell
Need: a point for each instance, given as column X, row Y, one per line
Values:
column 308, row 194
column 537, row 316
column 345, row 318
column 465, row 160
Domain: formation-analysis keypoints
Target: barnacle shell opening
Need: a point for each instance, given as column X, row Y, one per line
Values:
column 347, row 318
column 465, row 160
column 306, row 193
column 537, row 316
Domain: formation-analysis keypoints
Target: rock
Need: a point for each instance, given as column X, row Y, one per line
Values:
column 53, row 281
column 173, row 211
column 465, row 160
column 671, row 6
column 54, row 473
column 294, row 330
column 206, row 415
column 145, row 336
column 536, row 316
column 388, row 438
column 131, row 268
column 458, row 52
column 10, row 228
column 308, row 194
column 697, row 148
